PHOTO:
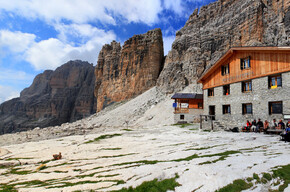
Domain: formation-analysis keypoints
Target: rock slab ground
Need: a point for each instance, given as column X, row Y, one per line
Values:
column 106, row 161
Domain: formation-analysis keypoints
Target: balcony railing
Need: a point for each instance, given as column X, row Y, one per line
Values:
column 181, row 110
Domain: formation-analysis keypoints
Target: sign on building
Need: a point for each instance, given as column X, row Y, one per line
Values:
column 184, row 105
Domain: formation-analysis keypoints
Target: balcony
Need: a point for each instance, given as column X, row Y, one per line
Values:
column 181, row 110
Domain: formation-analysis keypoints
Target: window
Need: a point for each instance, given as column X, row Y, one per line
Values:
column 275, row 81
column 245, row 63
column 275, row 107
column 182, row 117
column 225, row 69
column 247, row 108
column 226, row 109
column 200, row 105
column 210, row 92
column 247, row 86
column 226, row 89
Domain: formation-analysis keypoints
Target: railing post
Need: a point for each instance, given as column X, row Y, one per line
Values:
column 211, row 122
column 200, row 122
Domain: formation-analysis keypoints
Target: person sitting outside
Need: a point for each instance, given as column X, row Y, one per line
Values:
column 286, row 135
column 288, row 123
column 259, row 126
column 247, row 127
column 281, row 124
column 266, row 126
column 274, row 124
column 254, row 125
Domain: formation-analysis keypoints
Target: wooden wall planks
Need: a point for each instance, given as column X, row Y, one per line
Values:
column 263, row 63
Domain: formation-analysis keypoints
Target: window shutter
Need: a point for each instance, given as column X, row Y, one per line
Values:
column 243, row 86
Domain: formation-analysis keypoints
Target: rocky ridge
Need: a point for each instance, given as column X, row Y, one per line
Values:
column 212, row 30
column 127, row 71
column 55, row 97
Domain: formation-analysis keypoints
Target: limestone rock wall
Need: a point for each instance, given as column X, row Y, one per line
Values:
column 122, row 73
column 215, row 28
column 55, row 97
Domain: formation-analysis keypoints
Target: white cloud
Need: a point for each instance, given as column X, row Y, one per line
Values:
column 83, row 11
column 82, row 33
column 51, row 53
column 174, row 5
column 7, row 93
column 16, row 41
column 167, row 43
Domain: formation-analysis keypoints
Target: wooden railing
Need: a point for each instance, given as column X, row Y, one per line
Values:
column 181, row 110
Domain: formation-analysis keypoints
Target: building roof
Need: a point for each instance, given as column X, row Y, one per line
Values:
column 187, row 96
column 231, row 51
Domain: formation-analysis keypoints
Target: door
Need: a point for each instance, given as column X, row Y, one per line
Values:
column 212, row 111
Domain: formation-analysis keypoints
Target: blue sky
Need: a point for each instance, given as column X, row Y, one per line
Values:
column 36, row 35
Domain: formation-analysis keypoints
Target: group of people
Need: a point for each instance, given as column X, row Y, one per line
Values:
column 260, row 126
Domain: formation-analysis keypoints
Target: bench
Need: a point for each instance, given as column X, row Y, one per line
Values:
column 274, row 131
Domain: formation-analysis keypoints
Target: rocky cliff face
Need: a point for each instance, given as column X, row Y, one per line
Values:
column 55, row 97
column 209, row 33
column 122, row 73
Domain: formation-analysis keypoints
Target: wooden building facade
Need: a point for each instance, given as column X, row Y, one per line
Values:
column 187, row 107
column 248, row 83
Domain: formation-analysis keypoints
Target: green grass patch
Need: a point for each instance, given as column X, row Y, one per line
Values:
column 18, row 158
column 189, row 158
column 60, row 171
column 16, row 171
column 113, row 149
column 249, row 179
column 223, row 156
column 102, row 137
column 34, row 183
column 256, row 176
column 41, row 167
column 57, row 165
column 127, row 129
column 68, row 184
column 154, row 186
column 11, row 187
column 182, row 125
column 100, row 176
column 46, row 161
column 98, row 167
column 284, row 174
column 236, row 186
column 226, row 153
column 281, row 174
column 267, row 176
column 146, row 162
column 201, row 148
column 114, row 156
column 7, row 188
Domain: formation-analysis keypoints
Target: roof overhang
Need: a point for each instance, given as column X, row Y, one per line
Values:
column 187, row 96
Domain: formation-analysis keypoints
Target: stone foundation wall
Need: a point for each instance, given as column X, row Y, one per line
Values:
column 191, row 117
column 260, row 97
